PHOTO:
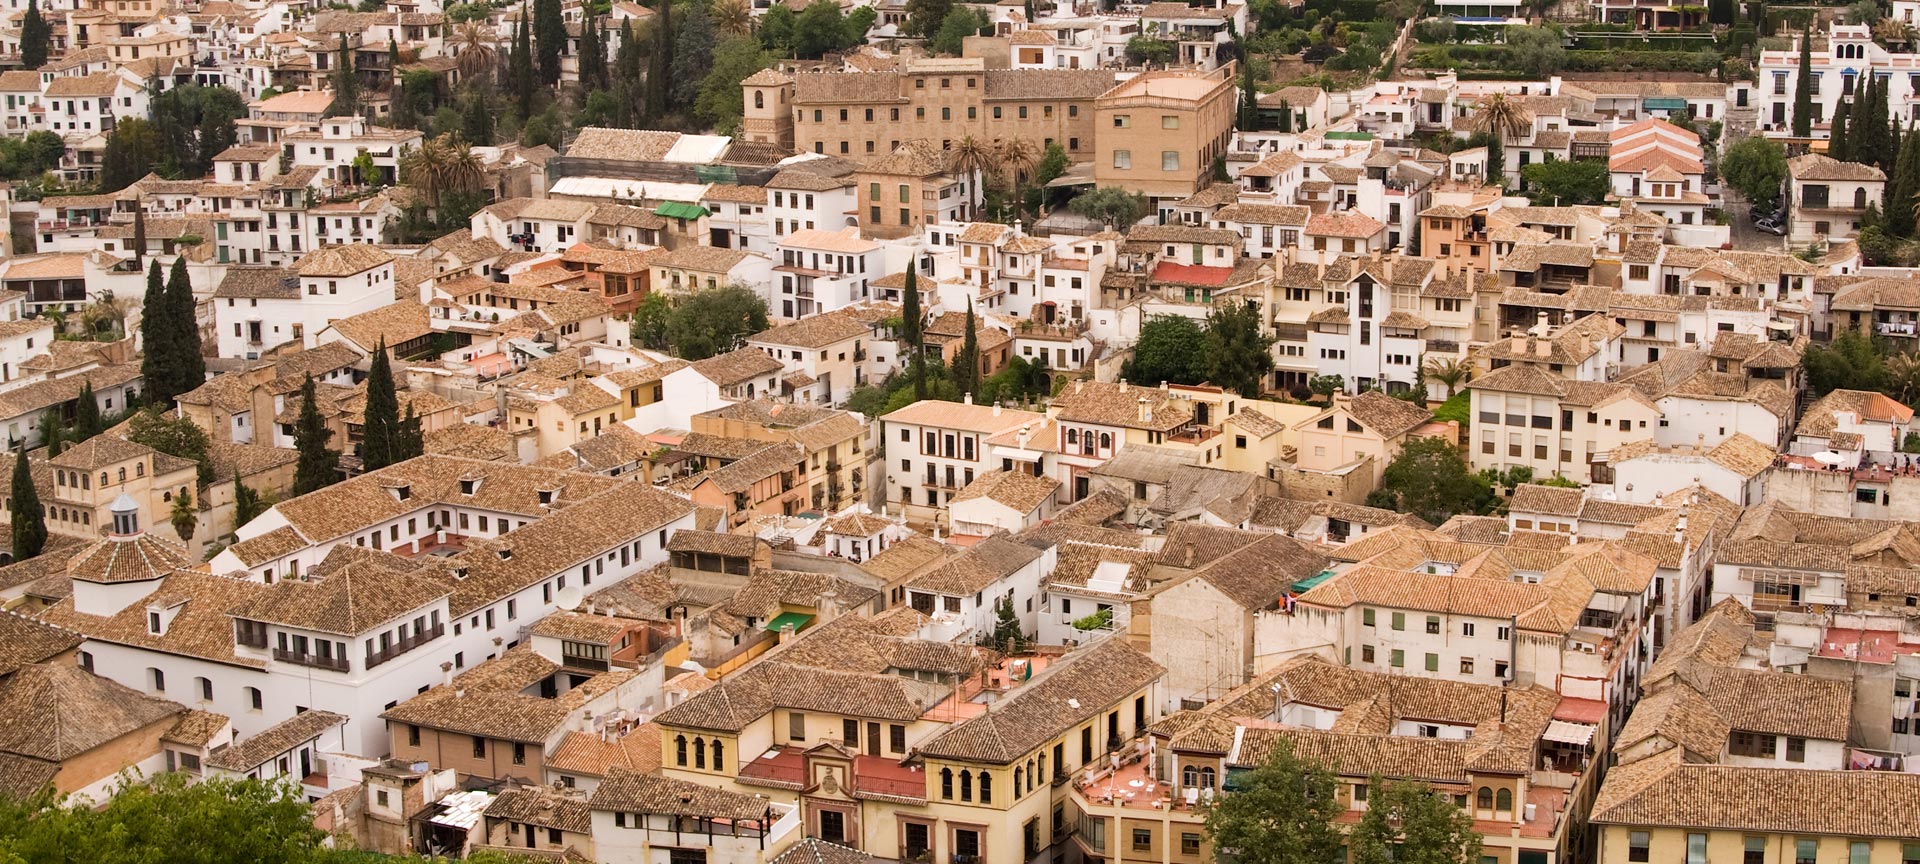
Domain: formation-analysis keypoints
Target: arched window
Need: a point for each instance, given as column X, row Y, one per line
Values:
column 1033, row 775
column 254, row 700
column 1483, row 799
column 1106, row 441
column 205, row 687
column 966, row 785
column 1017, row 774
column 986, row 788
column 946, row 783
column 1503, row 801
column 1189, row 776
column 1043, row 771
column 1073, row 436
column 759, row 99
column 680, row 750
column 139, row 469
column 718, row 749
column 1206, row 778
column 699, row 752
column 123, row 475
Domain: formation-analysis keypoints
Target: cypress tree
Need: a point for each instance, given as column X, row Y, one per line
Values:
column 626, row 82
column 550, row 32
column 910, row 330
column 184, row 329
column 318, row 467
column 36, row 36
column 29, row 521
column 157, row 362
column 1286, row 116
column 51, row 433
column 410, row 442
column 477, row 125
column 378, row 433
column 87, row 421
column 1839, row 146
column 966, row 364
column 246, row 503
column 1877, row 144
column 520, row 67
column 1905, row 183
column 1803, row 87
column 1249, row 98
column 657, row 89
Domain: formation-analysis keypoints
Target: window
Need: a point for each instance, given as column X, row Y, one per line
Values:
column 479, row 747
column 1399, row 620
column 1433, row 624
column 1397, row 659
column 1466, row 665
column 1503, row 801
column 1696, row 849
column 1805, row 851
column 1142, row 839
column 1756, row 851
column 253, row 698
column 1796, row 749
column 897, row 738
column 796, row 726
column 1752, row 744
column 1123, row 159
column 1433, row 662
column 1169, row 160
column 1366, row 617
column 1466, row 629
column 1189, row 843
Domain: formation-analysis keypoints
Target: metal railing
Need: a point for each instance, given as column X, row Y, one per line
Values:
column 337, row 664
column 404, row 645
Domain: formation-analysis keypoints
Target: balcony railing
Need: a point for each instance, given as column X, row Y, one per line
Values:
column 337, row 664
column 404, row 645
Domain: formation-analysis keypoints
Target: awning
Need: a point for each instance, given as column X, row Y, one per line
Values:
column 1577, row 734
column 1665, row 103
column 1303, row 585
column 679, row 210
column 797, row 620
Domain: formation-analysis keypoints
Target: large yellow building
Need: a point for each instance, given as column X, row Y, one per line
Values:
column 1160, row 131
column 1664, row 809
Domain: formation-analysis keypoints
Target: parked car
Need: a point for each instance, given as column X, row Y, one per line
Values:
column 1771, row 226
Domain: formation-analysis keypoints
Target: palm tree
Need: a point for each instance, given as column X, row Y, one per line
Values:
column 184, row 517
column 1892, row 31
column 1903, row 375
column 1450, row 371
column 1503, row 119
column 733, row 17
column 443, row 164
column 108, row 309
column 972, row 157
column 479, row 57
column 1019, row 157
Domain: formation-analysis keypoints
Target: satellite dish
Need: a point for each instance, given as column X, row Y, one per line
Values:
column 568, row 598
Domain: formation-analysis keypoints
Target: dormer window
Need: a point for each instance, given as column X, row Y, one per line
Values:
column 505, row 554
column 154, row 624
column 401, row 492
column 546, row 497
column 460, row 572
column 469, row 485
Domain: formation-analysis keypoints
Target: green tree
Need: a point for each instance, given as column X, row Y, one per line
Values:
column 36, row 36
column 1538, row 51
column 1112, row 206
column 132, row 150
column 1324, row 386
column 247, row 503
column 912, row 331
column 380, row 427
column 410, row 441
column 160, row 360
column 650, row 321
column 1007, row 634
column 776, row 30
column 859, row 21
column 1249, row 120
column 659, row 93
column 52, row 433
column 169, row 816
column 28, row 520
column 693, row 56
column 1852, row 361
column 1757, row 167
column 710, row 322
column 87, row 421
column 819, row 28
column 966, row 364
column 520, row 70
column 1429, row 479
column 960, row 23
column 1408, row 823
column 593, row 54
column 184, row 328
column 346, row 82
column 924, row 17
column 721, row 101
column 1238, row 350
column 183, row 516
column 1838, row 146
column 627, row 68
column 1902, row 186
column 1562, row 183
column 175, row 436
column 1053, row 164
column 550, row 39
column 1803, row 87
column 318, row 467
column 1281, row 812
column 1172, row 349
column 476, row 121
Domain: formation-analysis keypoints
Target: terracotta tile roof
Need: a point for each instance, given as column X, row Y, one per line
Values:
column 1082, row 685
column 736, row 367
column 813, row 850
column 1118, row 404
column 564, row 809
column 253, row 751
column 1352, row 224
column 342, row 260
column 136, row 558
column 984, row 419
column 1019, row 490
column 350, row 600
column 1814, row 166
column 272, row 283
column 630, row 792
column 585, row 753
column 54, row 712
column 1665, row 791
column 622, row 145
column 981, row 565
column 1387, row 416
column 815, row 331
column 25, row 641
column 395, row 323
column 200, row 729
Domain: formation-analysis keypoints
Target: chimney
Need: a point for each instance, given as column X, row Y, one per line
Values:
column 1078, row 385
column 1146, row 411
column 968, row 398
column 1519, row 344
column 996, row 409
column 446, row 673
column 1543, row 348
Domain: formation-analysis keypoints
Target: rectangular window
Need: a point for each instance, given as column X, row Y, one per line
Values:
column 1169, row 160
column 1860, row 852
column 1805, row 851
column 1755, row 852
column 1366, row 617
column 1696, row 849
column 796, row 726
column 1397, row 659
column 1638, row 846
column 1142, row 839
column 1399, row 620
column 1123, row 159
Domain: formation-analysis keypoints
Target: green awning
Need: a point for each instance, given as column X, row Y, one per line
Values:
column 1349, row 136
column 798, row 620
column 1303, row 585
column 680, row 210
column 1665, row 103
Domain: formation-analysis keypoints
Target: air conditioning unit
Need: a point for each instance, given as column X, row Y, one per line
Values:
column 253, row 355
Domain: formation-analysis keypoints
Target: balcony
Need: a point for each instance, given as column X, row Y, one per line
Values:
column 1196, row 435
column 404, row 645
column 1894, row 328
column 778, row 768
column 337, row 664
